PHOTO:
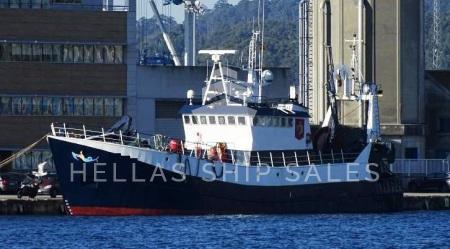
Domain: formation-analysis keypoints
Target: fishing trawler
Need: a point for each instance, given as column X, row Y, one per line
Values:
column 241, row 154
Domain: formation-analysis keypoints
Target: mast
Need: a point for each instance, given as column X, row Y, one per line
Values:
column 216, row 76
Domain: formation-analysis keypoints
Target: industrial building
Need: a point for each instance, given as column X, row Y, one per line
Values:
column 390, row 36
column 61, row 61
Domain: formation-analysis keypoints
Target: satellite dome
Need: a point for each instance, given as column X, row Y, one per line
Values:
column 267, row 76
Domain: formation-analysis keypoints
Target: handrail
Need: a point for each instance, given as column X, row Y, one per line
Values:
column 159, row 142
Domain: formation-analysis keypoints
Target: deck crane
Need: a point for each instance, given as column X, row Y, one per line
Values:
column 166, row 36
column 192, row 8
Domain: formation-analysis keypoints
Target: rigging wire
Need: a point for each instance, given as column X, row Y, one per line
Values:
column 21, row 152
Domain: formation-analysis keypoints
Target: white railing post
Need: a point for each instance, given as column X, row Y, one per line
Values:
column 52, row 127
column 332, row 156
column 284, row 159
column 342, row 155
column 138, row 140
column 271, row 158
column 65, row 130
column 259, row 159
column 309, row 160
column 103, row 135
column 84, row 132
column 182, row 147
column 232, row 156
column 296, row 159
column 320, row 156
column 121, row 138
column 426, row 167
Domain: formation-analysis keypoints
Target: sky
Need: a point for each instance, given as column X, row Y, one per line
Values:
column 177, row 11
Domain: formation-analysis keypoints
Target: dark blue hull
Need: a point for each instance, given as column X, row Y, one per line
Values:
column 127, row 195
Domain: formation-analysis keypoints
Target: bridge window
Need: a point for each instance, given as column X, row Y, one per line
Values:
column 194, row 120
column 221, row 120
column 212, row 119
column 290, row 122
column 203, row 119
column 187, row 120
column 231, row 120
column 241, row 120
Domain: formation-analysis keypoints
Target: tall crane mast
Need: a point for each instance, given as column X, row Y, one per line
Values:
column 166, row 36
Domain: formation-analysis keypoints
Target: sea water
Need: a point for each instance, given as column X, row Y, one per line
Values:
column 390, row 230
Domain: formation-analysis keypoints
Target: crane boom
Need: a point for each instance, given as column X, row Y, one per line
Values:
column 165, row 35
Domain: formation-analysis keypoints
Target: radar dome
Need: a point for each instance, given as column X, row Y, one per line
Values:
column 267, row 76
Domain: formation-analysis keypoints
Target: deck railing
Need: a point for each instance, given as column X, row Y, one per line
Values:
column 161, row 143
column 420, row 167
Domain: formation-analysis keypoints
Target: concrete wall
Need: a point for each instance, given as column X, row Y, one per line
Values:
column 171, row 83
column 393, row 58
column 62, row 79
column 62, row 25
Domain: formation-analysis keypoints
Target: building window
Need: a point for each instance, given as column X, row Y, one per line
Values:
column 88, row 54
column 31, row 159
column 16, row 52
column 61, row 106
column 68, row 106
column 68, row 53
column 37, row 106
column 47, row 52
column 5, row 52
column 14, row 4
column 5, row 105
column 26, row 52
column 16, row 105
column 61, row 53
column 99, row 107
column 57, row 106
column 78, row 54
column 47, row 106
column 78, row 107
column 118, row 54
column 88, row 106
column 109, row 107
column 241, row 120
column 118, row 107
column 99, row 55
column 109, row 54
column 57, row 53
column 212, row 120
column 444, row 125
column 37, row 52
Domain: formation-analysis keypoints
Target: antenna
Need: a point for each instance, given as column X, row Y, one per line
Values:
column 214, row 77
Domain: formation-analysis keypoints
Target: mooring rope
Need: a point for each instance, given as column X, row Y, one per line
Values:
column 21, row 152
